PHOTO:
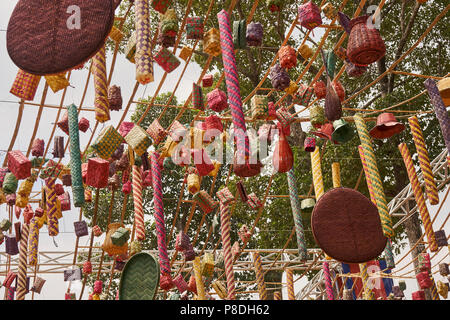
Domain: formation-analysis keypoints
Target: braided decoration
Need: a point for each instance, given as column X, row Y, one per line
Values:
column 143, row 55
column 198, row 279
column 159, row 214
column 295, row 205
column 101, row 101
column 33, row 242
column 75, row 157
column 368, row 293
column 336, row 174
column 22, row 276
column 232, row 82
column 137, row 201
column 290, row 284
column 259, row 276
column 439, row 109
column 52, row 218
column 317, row 173
column 418, row 195
column 327, row 278
column 225, row 226
column 375, row 178
column 424, row 160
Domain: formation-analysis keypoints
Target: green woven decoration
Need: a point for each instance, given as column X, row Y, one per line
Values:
column 239, row 34
column 107, row 142
column 75, row 157
column 121, row 236
column 10, row 183
column 331, row 63
column 5, row 224
column 140, row 278
column 138, row 139
column 317, row 115
column 37, row 162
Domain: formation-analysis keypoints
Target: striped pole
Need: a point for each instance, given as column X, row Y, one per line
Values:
column 137, row 200
column 22, row 276
column 225, row 227
column 199, row 279
column 277, row 295
column 317, row 173
column 295, row 205
column 327, row 278
column 424, row 160
column 336, row 174
column 33, row 242
column 259, row 276
column 143, row 56
column 433, row 289
column 439, row 109
column 52, row 218
column 418, row 195
column 232, row 82
column 390, row 263
column 368, row 293
column 290, row 284
column 159, row 215
column 375, row 178
column 101, row 102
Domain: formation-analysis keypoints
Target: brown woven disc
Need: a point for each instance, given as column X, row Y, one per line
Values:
column 347, row 226
column 53, row 36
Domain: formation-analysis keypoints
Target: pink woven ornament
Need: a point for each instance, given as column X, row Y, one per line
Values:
column 207, row 81
column 97, row 173
column 217, row 100
column 213, row 122
column 98, row 286
column 309, row 15
column 418, row 295
column 59, row 189
column 19, row 165
column 180, row 283
column 37, row 150
column 126, row 188
column 424, row 280
column 166, row 282
column 244, row 233
column 97, row 231
column 320, row 89
column 310, row 144
column 125, row 127
column 87, row 267
column 83, row 124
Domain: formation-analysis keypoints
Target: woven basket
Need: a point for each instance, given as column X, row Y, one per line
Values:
column 25, row 85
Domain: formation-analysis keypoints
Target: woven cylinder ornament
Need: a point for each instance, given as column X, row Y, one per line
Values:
column 25, row 85
column 22, row 276
column 137, row 201
column 296, row 212
column 418, row 195
column 143, row 55
column 159, row 214
column 198, row 279
column 52, row 219
column 290, row 284
column 424, row 160
column 101, row 102
column 232, row 82
column 317, row 173
column 439, row 109
column 33, row 242
column 75, row 157
column 374, row 174
column 225, row 227
column 327, row 278
column 368, row 293
column 259, row 276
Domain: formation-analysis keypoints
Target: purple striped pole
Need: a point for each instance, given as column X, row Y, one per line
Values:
column 232, row 82
column 159, row 215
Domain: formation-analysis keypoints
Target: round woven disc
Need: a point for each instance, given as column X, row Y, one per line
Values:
column 52, row 36
column 347, row 226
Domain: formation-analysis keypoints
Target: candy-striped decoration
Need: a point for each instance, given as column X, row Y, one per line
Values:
column 22, row 276
column 52, row 218
column 375, row 178
column 225, row 228
column 259, row 276
column 433, row 289
column 33, row 242
column 368, row 293
column 159, row 214
column 101, row 102
column 317, row 173
column 327, row 278
column 290, row 284
column 232, row 82
column 199, row 279
column 424, row 160
column 277, row 295
column 137, row 201
column 295, row 205
column 143, row 56
column 418, row 195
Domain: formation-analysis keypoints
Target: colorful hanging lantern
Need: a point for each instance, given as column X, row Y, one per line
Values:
column 309, row 15
column 287, row 56
column 167, row 60
column 217, row 100
column 211, row 42
column 195, row 28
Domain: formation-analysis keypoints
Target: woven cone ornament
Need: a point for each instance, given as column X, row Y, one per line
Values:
column 283, row 159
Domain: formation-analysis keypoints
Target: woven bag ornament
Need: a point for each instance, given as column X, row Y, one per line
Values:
column 444, row 269
column 130, row 49
column 114, row 98
column 10, row 185
column 320, row 89
column 168, row 148
column 185, row 53
column 225, row 196
column 424, row 280
column 212, row 123
column 65, row 201
column 87, row 267
column 207, row 265
column 98, row 286
column 5, row 224
column 254, row 34
column 116, row 35
column 192, row 286
column 365, row 45
column 47, row 46
column 165, row 40
column 333, row 107
column 19, row 165
column 424, row 262
column 101, row 102
column 97, row 173
column 259, row 107
column 305, row 51
column 309, row 15
column 143, row 56
column 25, row 85
column 108, row 245
column 217, row 100
column 180, row 283
column 279, row 77
column 197, row 97
column 81, row 228
column 97, row 231
column 11, row 246
column 83, row 124
column 283, row 158
column 161, row 5
column 292, row 89
column 166, row 282
column 58, row 147
column 240, row 34
column 272, row 111
column 10, row 277
column 284, row 117
column 253, row 201
column 329, row 11
column 287, row 56
column 57, row 82
column 195, row 28
column 125, row 127
column 37, row 285
column 167, row 60
column 303, row 95
column 441, row 238
column 156, row 132
column 211, row 42
column 107, row 142
column 418, row 295
column 169, row 23
column 442, row 289
column 337, row 85
column 207, row 81
column 177, row 131
column 205, row 201
column 138, row 139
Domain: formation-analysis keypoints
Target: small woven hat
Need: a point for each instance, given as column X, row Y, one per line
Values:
column 342, row 131
column 386, row 127
column 325, row 132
